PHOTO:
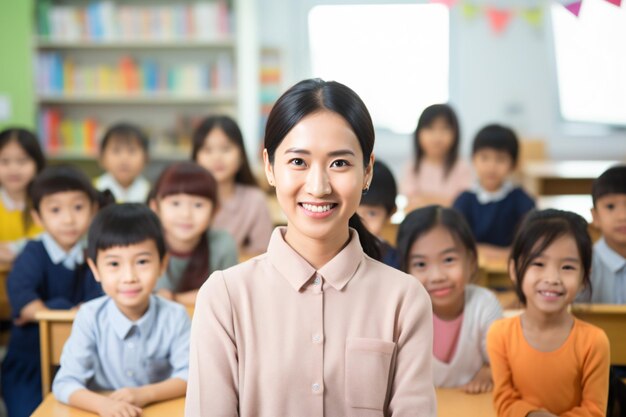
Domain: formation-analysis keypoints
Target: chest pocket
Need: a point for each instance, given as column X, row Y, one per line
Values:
column 368, row 364
column 158, row 369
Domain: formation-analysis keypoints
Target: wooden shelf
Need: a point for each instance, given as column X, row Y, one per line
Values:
column 136, row 44
column 157, row 156
column 140, row 98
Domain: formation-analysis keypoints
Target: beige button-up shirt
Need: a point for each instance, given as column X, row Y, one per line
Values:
column 274, row 337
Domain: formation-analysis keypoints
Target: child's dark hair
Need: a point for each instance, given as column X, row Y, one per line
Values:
column 498, row 137
column 124, row 225
column 539, row 230
column 612, row 181
column 189, row 178
column 28, row 142
column 427, row 118
column 127, row 133
column 383, row 189
column 422, row 220
column 62, row 178
column 231, row 129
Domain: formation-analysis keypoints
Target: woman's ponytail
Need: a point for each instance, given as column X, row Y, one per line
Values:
column 369, row 242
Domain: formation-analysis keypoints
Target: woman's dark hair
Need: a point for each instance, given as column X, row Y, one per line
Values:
column 126, row 132
column 312, row 96
column 62, row 178
column 233, row 133
column 422, row 220
column 189, row 178
column 539, row 230
column 383, row 189
column 29, row 142
column 427, row 118
column 124, row 225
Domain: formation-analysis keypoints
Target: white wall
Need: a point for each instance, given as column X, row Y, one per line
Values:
column 509, row 79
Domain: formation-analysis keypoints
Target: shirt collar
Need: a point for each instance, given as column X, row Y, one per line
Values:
column 122, row 325
column 8, row 202
column 297, row 271
column 483, row 196
column 612, row 259
column 70, row 259
column 136, row 187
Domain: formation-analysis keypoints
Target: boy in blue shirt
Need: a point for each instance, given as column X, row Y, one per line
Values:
column 49, row 274
column 377, row 206
column 494, row 206
column 130, row 341
column 608, row 271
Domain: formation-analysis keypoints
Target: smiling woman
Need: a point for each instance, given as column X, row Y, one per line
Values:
column 315, row 326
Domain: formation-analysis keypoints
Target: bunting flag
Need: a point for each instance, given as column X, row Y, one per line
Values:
column 448, row 3
column 573, row 6
column 470, row 11
column 618, row 3
column 533, row 16
column 498, row 19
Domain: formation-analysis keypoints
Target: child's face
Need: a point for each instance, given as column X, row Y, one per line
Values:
column 220, row 156
column 17, row 168
column 443, row 267
column 374, row 217
column 124, row 160
column 128, row 275
column 66, row 216
column 552, row 280
column 492, row 167
column 436, row 139
column 319, row 176
column 609, row 215
column 184, row 217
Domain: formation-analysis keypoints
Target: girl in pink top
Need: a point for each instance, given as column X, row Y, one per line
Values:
column 436, row 175
column 437, row 247
column 243, row 212
column 316, row 326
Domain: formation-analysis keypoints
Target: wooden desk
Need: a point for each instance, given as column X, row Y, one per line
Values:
column 562, row 177
column 5, row 307
column 50, row 407
column 493, row 273
column 453, row 402
column 610, row 318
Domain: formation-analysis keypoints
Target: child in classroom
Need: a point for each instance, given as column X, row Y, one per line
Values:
column 437, row 174
column 185, row 199
column 243, row 212
column 494, row 206
column 123, row 155
column 608, row 271
column 437, row 247
column 546, row 362
column 129, row 341
column 49, row 274
column 21, row 159
column 377, row 206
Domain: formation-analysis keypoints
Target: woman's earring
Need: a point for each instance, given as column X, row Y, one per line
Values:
column 365, row 190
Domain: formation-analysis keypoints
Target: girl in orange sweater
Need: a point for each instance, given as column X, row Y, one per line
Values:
column 547, row 363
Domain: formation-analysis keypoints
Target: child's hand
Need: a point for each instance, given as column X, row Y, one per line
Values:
column 134, row 396
column 6, row 254
column 115, row 408
column 165, row 293
column 481, row 382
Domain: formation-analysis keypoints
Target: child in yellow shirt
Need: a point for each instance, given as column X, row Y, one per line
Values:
column 20, row 160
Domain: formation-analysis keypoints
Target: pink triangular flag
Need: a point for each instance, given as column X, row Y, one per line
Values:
column 447, row 3
column 574, row 7
column 618, row 3
column 498, row 19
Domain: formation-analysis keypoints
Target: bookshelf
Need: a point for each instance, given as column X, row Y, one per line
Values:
column 154, row 63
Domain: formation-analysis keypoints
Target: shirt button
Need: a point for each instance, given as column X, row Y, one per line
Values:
column 316, row 338
column 131, row 345
column 317, row 281
column 129, row 373
column 315, row 387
